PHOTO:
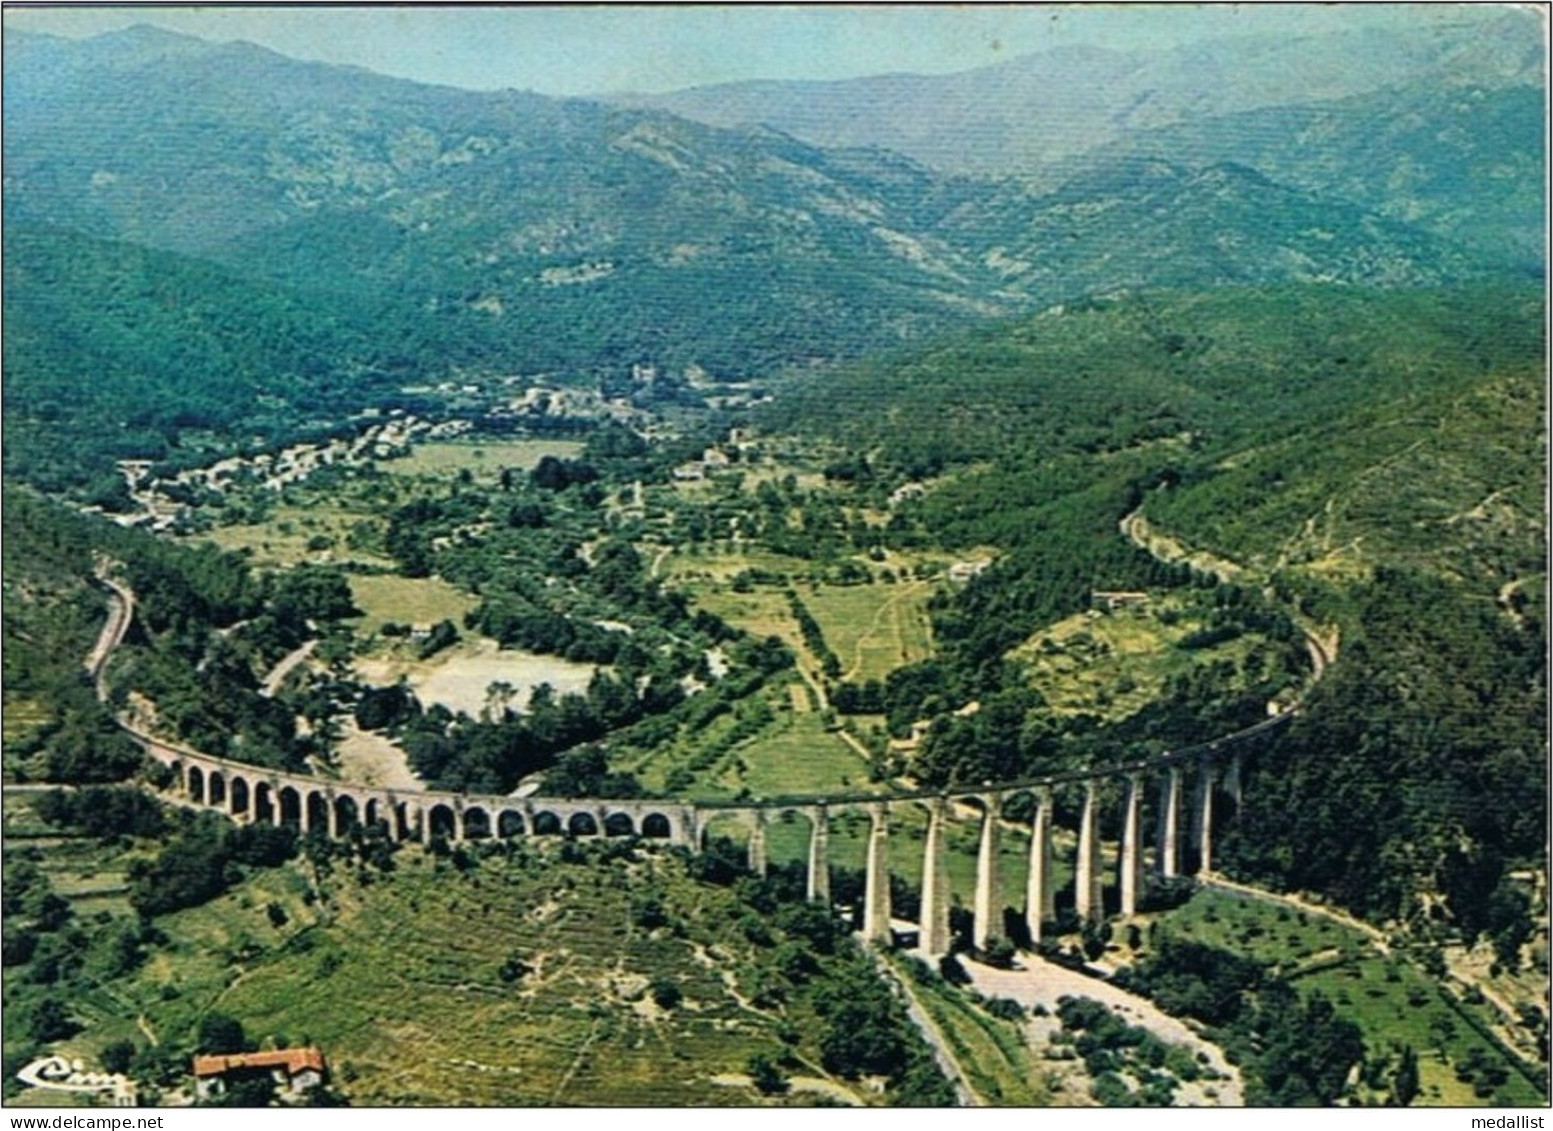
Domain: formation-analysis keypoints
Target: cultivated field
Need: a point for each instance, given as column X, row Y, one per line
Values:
column 873, row 629
column 402, row 984
column 385, row 598
column 484, row 459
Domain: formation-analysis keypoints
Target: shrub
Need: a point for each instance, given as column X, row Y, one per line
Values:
column 999, row 953
column 666, row 993
column 1006, row 1008
column 952, row 971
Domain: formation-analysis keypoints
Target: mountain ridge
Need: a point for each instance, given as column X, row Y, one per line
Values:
column 1071, row 99
column 509, row 214
column 501, row 233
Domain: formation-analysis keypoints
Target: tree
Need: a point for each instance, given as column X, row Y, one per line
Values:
column 765, row 1075
column 51, row 912
column 50, row 1021
column 666, row 992
column 382, row 707
column 247, row 1091
column 1309, row 1049
column 499, row 695
column 117, row 1056
column 18, row 946
column 1404, row 1084
column 311, row 592
column 221, row 1033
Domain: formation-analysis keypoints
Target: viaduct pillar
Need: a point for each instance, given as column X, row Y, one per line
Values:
column 989, row 904
column 876, row 885
column 1204, row 816
column 757, row 849
column 681, row 832
column 1169, row 818
column 1131, row 854
column 934, row 929
column 333, row 819
column 819, row 855
column 1088, row 891
column 1040, row 897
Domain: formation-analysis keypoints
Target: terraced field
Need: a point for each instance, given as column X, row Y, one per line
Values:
column 1112, row 665
column 20, row 717
column 403, row 984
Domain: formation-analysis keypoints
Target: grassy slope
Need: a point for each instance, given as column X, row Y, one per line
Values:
column 1389, row 999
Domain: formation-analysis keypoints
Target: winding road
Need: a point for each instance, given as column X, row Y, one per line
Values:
column 1322, row 645
column 121, row 611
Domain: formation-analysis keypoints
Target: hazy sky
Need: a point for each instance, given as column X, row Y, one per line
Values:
column 584, row 49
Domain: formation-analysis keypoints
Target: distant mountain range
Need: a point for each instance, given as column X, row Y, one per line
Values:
column 512, row 228
column 425, row 231
column 1442, row 125
column 1032, row 111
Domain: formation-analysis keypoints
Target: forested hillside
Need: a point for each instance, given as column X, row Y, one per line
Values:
column 115, row 351
column 1368, row 460
column 1207, row 369
column 1460, row 161
column 376, row 230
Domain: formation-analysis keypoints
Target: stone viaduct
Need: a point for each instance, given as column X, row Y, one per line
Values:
column 1186, row 781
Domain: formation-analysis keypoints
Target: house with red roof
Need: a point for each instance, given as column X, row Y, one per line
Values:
column 295, row 1071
